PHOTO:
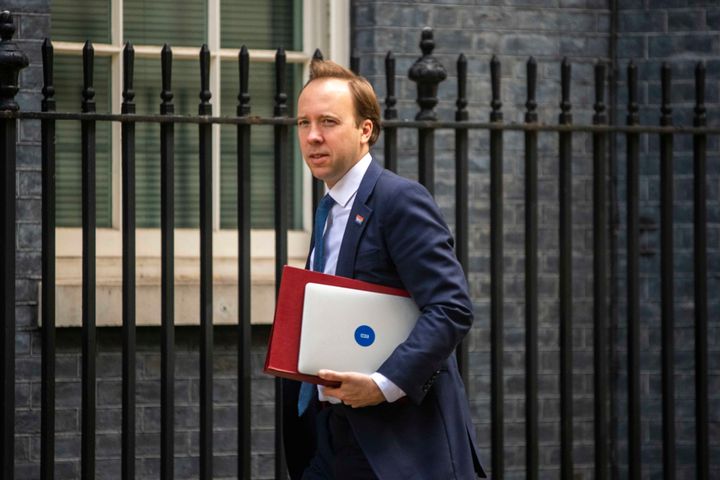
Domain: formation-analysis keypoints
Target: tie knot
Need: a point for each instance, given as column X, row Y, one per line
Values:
column 326, row 203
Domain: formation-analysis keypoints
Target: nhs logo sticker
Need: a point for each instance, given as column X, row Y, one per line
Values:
column 364, row 336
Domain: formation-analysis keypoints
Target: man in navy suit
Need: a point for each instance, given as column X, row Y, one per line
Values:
column 410, row 419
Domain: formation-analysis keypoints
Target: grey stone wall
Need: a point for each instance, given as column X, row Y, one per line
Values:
column 33, row 25
column 681, row 33
column 32, row 20
column 514, row 31
column 109, row 408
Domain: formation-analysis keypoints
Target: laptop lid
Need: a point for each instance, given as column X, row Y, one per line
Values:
column 350, row 330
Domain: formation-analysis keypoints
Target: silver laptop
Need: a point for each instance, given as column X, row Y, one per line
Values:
column 350, row 330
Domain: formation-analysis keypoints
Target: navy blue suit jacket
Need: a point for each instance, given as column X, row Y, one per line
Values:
column 402, row 241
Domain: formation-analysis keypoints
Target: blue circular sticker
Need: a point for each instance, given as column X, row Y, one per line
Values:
column 364, row 335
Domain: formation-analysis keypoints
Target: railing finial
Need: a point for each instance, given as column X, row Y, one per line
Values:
column 12, row 60
column 531, row 115
column 495, row 73
column 390, row 100
column 700, row 118
column 243, row 107
column 427, row 72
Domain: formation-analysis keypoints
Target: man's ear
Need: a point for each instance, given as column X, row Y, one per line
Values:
column 367, row 129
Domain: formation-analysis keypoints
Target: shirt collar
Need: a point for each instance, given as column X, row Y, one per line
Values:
column 348, row 185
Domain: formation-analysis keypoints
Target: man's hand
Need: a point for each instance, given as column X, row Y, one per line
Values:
column 356, row 389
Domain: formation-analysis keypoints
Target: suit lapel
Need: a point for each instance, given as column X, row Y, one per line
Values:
column 358, row 220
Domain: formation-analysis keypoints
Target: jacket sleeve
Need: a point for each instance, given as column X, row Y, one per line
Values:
column 420, row 246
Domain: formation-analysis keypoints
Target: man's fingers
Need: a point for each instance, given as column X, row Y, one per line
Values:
column 332, row 375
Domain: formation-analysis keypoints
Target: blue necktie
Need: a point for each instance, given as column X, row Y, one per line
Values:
column 321, row 214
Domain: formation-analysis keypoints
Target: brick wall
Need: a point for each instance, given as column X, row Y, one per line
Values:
column 548, row 31
column 681, row 33
column 32, row 22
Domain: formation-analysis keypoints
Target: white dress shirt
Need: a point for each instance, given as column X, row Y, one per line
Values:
column 344, row 193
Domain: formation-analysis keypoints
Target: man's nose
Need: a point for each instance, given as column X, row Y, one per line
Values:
column 314, row 135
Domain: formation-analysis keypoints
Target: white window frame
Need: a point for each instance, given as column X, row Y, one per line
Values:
column 326, row 25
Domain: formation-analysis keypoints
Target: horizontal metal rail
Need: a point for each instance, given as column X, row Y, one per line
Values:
column 415, row 124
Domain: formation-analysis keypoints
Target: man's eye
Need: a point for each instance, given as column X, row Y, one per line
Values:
column 328, row 122
column 302, row 123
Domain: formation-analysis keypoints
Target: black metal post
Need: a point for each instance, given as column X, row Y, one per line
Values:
column 88, row 269
column 47, row 427
column 167, row 267
column 667, row 280
column 531, row 278
column 600, row 290
column 427, row 72
column 206, row 302
column 461, row 193
column 355, row 63
column 12, row 61
column 244, row 280
column 281, row 229
column 701, row 297
column 128, row 269
column 566, row 350
column 390, row 114
column 633, row 279
column 318, row 186
column 496, row 277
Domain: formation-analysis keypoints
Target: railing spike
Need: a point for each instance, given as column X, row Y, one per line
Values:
column 244, row 97
column 531, row 115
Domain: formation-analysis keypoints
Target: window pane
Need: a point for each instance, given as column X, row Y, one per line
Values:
column 185, row 88
column 80, row 20
column 262, row 91
column 68, row 93
column 264, row 25
column 176, row 22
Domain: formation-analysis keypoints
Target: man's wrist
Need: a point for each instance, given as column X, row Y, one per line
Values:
column 390, row 391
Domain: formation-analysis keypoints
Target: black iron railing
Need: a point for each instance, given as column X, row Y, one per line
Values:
column 427, row 73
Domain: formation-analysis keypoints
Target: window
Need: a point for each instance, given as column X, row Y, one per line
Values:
column 225, row 25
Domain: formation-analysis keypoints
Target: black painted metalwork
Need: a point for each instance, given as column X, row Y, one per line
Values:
column 47, row 425
column 427, row 72
column 167, row 274
column 701, row 272
column 244, row 262
column 633, row 278
column 88, row 269
column 390, row 133
column 318, row 186
column 667, row 281
column 206, row 299
column 462, row 215
column 355, row 63
column 600, row 279
column 128, row 269
column 496, row 277
column 12, row 61
column 531, row 278
column 566, row 290
column 282, row 165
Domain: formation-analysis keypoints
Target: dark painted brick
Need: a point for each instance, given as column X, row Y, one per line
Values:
column 668, row 47
column 643, row 21
column 686, row 21
column 713, row 18
column 34, row 25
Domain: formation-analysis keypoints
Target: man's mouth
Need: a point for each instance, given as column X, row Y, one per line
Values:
column 315, row 157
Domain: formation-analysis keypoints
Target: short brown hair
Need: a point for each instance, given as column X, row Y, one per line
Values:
column 364, row 98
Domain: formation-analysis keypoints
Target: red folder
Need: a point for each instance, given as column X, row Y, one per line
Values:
column 284, row 346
